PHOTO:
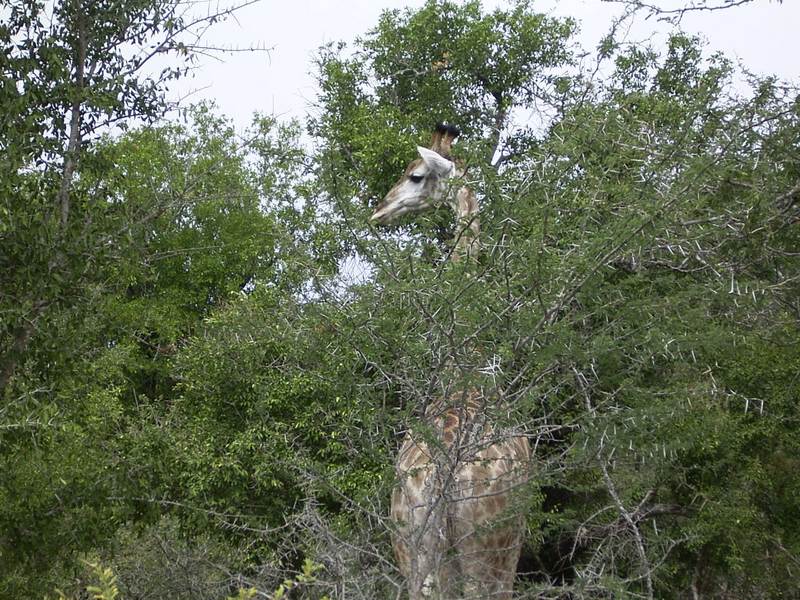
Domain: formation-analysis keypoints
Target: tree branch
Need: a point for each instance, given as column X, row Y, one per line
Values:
column 74, row 144
column 674, row 15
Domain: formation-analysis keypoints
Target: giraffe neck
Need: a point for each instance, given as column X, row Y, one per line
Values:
column 465, row 206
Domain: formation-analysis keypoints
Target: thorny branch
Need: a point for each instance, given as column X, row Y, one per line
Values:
column 675, row 15
column 626, row 515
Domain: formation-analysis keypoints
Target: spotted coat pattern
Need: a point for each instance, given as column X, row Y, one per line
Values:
column 457, row 533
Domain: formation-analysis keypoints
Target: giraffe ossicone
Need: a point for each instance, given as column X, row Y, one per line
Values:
column 457, row 532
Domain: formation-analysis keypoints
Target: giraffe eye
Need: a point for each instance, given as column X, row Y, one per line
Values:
column 416, row 178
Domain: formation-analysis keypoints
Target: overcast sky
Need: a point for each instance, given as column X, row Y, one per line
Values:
column 762, row 35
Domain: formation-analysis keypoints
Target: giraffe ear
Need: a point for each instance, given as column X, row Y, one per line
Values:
column 436, row 162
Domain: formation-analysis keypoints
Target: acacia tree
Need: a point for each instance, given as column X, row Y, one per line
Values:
column 638, row 271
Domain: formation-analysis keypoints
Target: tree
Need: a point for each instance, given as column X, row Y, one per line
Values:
column 211, row 396
column 110, row 453
column 442, row 63
column 610, row 308
column 69, row 241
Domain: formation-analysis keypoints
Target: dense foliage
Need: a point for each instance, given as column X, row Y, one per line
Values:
column 209, row 356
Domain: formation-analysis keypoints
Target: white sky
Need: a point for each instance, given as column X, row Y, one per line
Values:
column 762, row 35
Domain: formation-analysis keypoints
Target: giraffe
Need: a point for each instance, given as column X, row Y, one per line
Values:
column 456, row 534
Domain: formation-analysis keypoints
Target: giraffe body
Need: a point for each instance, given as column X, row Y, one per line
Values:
column 457, row 533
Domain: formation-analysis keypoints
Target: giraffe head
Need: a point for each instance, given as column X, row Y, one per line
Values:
column 426, row 181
